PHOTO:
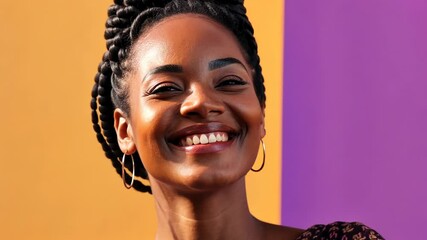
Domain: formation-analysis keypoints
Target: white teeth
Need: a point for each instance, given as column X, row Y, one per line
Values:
column 204, row 139
column 225, row 137
column 196, row 140
column 212, row 138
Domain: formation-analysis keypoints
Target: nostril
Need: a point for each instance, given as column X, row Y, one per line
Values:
column 201, row 104
column 202, row 109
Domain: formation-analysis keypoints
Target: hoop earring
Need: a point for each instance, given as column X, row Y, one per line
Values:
column 263, row 158
column 123, row 171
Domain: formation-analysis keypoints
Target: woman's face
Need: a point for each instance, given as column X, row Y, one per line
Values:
column 194, row 116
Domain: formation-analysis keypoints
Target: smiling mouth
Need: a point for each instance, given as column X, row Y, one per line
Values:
column 204, row 139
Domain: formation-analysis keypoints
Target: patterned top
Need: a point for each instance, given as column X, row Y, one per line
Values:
column 340, row 231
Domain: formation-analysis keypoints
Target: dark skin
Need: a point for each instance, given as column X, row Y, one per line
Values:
column 191, row 85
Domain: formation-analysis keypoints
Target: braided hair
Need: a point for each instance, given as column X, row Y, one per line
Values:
column 127, row 20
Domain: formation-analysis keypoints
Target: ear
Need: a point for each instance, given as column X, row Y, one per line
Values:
column 262, row 126
column 124, row 132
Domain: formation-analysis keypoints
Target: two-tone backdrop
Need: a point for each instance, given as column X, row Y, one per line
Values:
column 346, row 120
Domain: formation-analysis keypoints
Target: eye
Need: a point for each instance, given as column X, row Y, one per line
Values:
column 231, row 83
column 163, row 88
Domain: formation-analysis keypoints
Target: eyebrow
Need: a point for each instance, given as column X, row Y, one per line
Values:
column 222, row 62
column 168, row 68
column 214, row 64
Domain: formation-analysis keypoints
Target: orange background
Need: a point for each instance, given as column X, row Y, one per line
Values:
column 55, row 181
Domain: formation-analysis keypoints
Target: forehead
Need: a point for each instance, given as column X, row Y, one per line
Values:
column 185, row 39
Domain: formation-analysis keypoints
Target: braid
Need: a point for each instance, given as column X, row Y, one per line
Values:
column 127, row 19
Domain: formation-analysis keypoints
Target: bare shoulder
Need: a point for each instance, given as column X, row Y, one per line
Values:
column 278, row 232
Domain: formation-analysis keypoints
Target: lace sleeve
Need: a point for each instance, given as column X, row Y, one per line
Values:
column 340, row 231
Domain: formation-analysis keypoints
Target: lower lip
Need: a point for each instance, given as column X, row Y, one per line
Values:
column 206, row 148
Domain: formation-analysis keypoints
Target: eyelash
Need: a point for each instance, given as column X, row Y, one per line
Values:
column 167, row 87
column 163, row 88
column 233, row 81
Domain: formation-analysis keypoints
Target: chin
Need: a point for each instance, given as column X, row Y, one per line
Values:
column 204, row 180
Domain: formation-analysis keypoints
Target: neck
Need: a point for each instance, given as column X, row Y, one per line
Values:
column 222, row 214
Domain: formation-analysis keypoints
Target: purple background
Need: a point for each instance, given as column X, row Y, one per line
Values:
column 355, row 114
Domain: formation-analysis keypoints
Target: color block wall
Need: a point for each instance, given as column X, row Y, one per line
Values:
column 348, row 141
column 55, row 182
column 355, row 114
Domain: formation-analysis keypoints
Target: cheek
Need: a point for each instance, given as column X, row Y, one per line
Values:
column 150, row 119
column 251, row 113
column 150, row 122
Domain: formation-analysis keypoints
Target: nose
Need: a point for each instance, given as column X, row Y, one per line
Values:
column 202, row 102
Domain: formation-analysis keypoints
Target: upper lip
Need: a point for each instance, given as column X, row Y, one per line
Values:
column 200, row 128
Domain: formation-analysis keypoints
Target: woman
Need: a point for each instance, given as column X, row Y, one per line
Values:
column 180, row 98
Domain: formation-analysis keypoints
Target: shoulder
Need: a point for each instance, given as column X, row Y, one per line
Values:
column 273, row 231
column 340, row 230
